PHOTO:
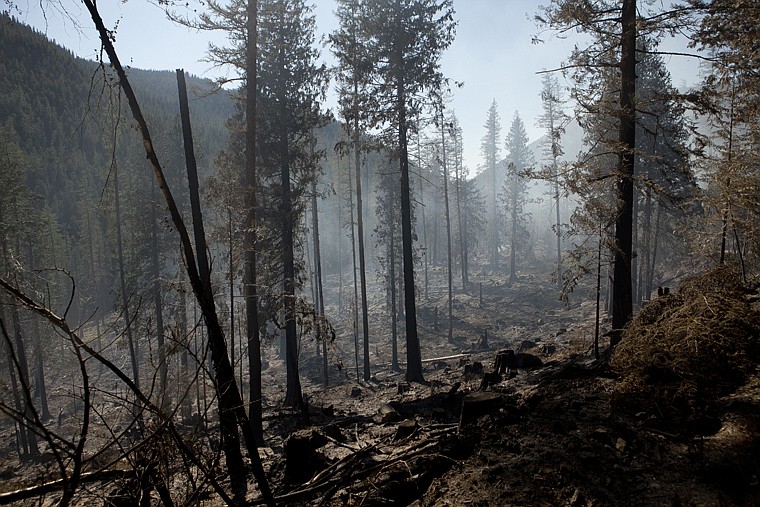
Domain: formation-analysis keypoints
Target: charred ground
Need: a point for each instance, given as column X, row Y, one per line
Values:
column 576, row 431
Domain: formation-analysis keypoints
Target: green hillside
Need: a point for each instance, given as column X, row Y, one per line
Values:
column 60, row 110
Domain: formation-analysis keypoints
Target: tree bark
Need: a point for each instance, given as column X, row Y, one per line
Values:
column 355, row 279
column 392, row 285
column 163, row 368
column 622, row 306
column 360, row 241
column 413, row 354
column 255, row 401
column 293, row 393
column 447, row 211
column 320, row 302
column 458, row 197
column 227, row 421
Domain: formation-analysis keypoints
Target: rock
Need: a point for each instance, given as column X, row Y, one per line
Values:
column 548, row 349
column 528, row 361
column 527, row 344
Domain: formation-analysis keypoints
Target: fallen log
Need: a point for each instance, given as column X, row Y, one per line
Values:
column 446, row 358
column 48, row 487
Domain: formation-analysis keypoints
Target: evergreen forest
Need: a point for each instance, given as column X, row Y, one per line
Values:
column 292, row 288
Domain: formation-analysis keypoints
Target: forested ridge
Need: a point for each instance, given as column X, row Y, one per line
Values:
column 237, row 296
column 56, row 106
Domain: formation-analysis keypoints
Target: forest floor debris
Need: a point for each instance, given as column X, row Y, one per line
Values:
column 551, row 435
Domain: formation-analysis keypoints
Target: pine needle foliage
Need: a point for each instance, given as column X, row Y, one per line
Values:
column 685, row 350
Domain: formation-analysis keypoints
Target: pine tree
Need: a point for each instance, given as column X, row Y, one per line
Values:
column 612, row 27
column 353, row 81
column 405, row 39
column 553, row 119
column 490, row 148
column 290, row 85
column 514, row 190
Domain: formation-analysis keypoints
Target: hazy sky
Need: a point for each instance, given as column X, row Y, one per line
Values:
column 492, row 53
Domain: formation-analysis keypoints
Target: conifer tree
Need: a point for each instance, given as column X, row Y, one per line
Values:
column 355, row 100
column 553, row 119
column 491, row 151
column 514, row 190
column 404, row 39
column 290, row 85
column 612, row 28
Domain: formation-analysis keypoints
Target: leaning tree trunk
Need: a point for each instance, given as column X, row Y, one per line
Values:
column 229, row 395
column 227, row 421
column 163, row 367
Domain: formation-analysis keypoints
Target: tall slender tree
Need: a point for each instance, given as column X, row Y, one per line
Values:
column 290, row 84
column 405, row 39
column 444, row 130
column 255, row 404
column 553, row 119
column 353, row 81
column 612, row 28
column 491, row 151
column 521, row 161
column 459, row 176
